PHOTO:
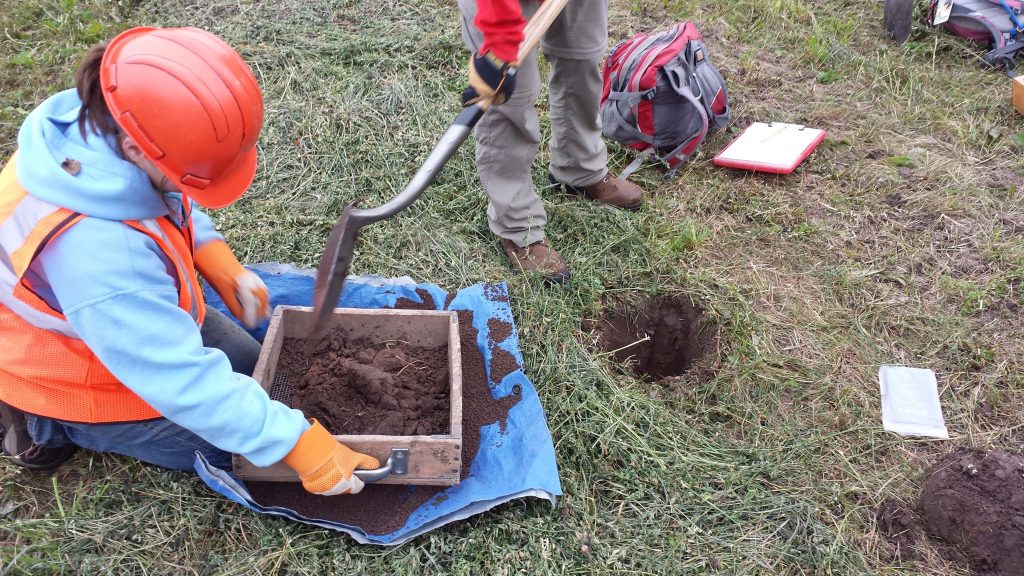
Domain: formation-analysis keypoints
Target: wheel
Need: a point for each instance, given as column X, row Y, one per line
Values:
column 897, row 15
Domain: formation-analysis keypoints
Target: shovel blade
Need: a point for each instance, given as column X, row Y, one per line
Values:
column 896, row 18
column 333, row 268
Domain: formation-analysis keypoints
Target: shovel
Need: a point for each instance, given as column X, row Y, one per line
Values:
column 337, row 256
column 896, row 18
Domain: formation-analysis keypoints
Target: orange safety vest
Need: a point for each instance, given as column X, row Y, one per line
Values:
column 45, row 368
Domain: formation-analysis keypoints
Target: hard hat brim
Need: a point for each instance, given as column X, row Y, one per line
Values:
column 229, row 186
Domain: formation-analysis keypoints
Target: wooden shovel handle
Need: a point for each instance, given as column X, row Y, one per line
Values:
column 538, row 25
column 532, row 33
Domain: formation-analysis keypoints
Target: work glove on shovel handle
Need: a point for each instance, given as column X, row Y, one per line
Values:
column 489, row 76
column 326, row 466
column 242, row 291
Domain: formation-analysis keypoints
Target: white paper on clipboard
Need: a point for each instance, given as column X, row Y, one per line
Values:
column 910, row 402
column 772, row 144
column 940, row 11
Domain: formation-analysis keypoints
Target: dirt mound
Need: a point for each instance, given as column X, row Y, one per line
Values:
column 974, row 500
column 356, row 386
column 656, row 338
column 900, row 529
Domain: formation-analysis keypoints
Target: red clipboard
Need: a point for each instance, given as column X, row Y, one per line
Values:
column 773, row 147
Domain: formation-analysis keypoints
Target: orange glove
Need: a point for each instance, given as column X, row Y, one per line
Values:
column 325, row 465
column 242, row 291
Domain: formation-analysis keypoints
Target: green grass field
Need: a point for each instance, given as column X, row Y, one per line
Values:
column 897, row 242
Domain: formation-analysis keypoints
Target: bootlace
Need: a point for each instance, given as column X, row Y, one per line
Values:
column 34, row 451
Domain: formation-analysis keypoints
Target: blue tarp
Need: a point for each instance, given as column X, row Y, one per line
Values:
column 514, row 463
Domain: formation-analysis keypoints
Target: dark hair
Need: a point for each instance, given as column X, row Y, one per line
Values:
column 94, row 112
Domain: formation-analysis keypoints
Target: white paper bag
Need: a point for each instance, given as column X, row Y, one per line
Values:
column 910, row 402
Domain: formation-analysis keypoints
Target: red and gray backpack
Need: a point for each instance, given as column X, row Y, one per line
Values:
column 661, row 96
column 994, row 23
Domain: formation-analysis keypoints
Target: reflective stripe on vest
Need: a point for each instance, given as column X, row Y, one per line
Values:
column 45, row 368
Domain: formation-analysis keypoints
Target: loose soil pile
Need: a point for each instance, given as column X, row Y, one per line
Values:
column 382, row 509
column 656, row 338
column 896, row 522
column 364, row 387
column 974, row 500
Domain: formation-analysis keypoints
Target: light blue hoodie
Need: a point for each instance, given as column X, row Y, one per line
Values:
column 120, row 293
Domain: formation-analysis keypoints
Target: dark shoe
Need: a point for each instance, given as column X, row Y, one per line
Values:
column 20, row 450
column 611, row 190
column 537, row 257
column 41, row 459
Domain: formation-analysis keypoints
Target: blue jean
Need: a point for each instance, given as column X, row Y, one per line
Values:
column 157, row 441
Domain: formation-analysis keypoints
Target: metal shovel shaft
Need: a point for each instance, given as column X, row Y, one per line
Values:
column 337, row 255
column 446, row 146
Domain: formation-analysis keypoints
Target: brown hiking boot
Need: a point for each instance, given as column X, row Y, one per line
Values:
column 611, row 190
column 539, row 257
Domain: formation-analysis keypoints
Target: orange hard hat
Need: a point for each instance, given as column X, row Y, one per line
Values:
column 192, row 105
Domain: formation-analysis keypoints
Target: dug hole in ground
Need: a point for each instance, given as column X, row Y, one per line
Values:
column 657, row 338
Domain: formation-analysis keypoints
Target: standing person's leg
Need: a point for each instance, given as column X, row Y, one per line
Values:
column 575, row 45
column 507, row 139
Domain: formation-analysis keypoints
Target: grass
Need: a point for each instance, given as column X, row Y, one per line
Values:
column 897, row 242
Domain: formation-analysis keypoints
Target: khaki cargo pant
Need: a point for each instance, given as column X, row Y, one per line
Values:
column 508, row 136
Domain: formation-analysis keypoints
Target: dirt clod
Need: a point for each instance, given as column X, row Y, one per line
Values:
column 974, row 500
column 896, row 522
column 656, row 338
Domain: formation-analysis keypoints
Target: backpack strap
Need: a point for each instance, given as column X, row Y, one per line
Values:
column 1017, row 26
column 680, row 76
column 707, row 82
column 636, row 163
column 632, row 98
column 1005, row 57
column 1016, row 5
column 628, row 129
column 681, row 153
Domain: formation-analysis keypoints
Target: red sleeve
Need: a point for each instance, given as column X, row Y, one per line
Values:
column 501, row 22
